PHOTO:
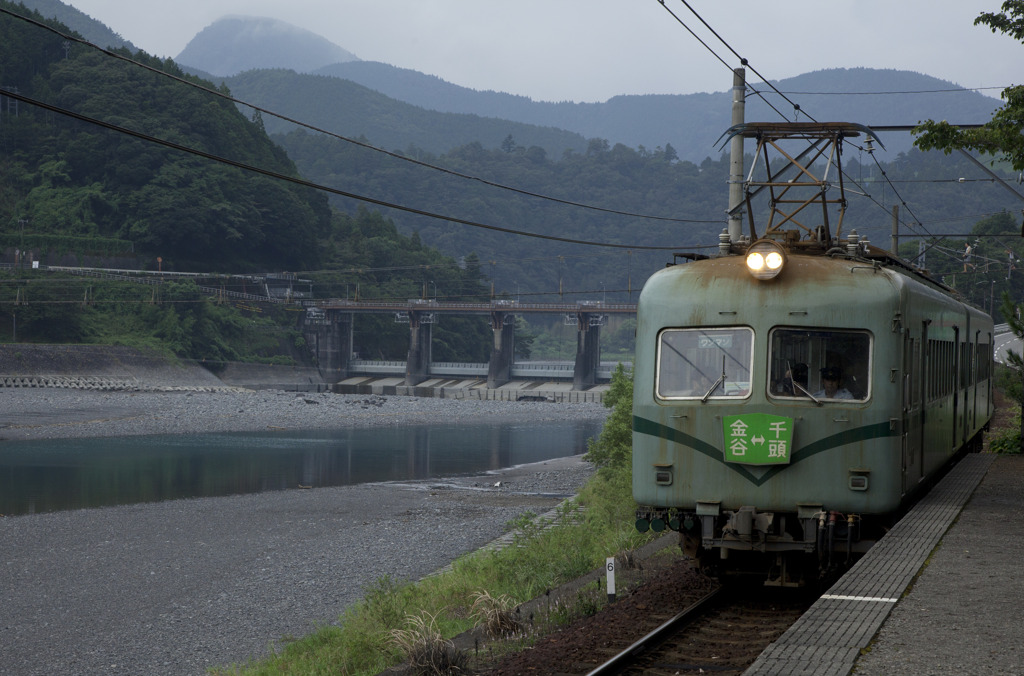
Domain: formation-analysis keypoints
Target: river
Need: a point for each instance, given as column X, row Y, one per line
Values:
column 53, row 475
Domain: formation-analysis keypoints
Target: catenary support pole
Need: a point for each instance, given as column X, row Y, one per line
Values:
column 739, row 93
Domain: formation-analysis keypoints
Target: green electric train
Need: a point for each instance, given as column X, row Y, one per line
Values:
column 793, row 394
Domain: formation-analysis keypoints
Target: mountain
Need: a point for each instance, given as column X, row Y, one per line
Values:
column 346, row 108
column 80, row 22
column 693, row 122
column 234, row 44
column 398, row 108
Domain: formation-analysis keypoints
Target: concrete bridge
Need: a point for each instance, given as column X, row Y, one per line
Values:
column 328, row 323
column 328, row 331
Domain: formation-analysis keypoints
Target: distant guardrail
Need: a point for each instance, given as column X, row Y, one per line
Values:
column 540, row 370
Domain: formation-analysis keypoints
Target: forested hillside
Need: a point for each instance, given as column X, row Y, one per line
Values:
column 81, row 193
column 67, row 178
column 687, row 200
column 78, row 21
column 88, row 193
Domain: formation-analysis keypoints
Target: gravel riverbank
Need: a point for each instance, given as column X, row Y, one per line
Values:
column 41, row 413
column 177, row 587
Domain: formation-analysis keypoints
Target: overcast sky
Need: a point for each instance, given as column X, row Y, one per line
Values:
column 591, row 50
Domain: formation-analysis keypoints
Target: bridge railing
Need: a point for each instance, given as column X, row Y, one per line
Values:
column 541, row 370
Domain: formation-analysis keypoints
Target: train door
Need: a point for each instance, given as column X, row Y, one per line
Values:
column 987, row 373
column 913, row 411
column 973, row 381
column 958, row 351
column 966, row 376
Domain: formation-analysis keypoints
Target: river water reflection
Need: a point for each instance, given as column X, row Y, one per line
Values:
column 45, row 476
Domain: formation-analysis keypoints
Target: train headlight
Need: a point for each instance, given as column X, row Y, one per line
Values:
column 765, row 259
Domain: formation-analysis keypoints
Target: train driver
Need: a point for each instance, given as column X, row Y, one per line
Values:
column 831, row 383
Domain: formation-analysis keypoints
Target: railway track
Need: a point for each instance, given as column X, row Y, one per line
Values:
column 722, row 633
column 677, row 622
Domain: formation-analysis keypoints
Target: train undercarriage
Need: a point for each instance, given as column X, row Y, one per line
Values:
column 784, row 549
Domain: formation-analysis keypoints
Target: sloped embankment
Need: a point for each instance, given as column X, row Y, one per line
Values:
column 96, row 366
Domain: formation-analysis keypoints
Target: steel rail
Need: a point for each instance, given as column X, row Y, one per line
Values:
column 618, row 663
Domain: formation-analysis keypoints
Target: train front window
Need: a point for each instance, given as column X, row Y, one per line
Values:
column 704, row 363
column 822, row 364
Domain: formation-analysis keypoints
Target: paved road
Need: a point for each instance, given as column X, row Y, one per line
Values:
column 1003, row 342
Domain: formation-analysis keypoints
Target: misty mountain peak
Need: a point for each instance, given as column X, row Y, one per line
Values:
column 233, row 44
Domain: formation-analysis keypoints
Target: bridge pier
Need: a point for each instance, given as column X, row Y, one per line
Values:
column 328, row 335
column 499, row 370
column 417, row 365
column 588, row 350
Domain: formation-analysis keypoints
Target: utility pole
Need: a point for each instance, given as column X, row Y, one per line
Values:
column 739, row 93
column 895, row 231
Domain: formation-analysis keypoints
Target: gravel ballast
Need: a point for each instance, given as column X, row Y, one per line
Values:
column 180, row 586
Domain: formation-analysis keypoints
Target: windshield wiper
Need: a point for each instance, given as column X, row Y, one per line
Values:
column 797, row 386
column 721, row 380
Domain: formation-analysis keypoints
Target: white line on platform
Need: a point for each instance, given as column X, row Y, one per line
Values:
column 839, row 597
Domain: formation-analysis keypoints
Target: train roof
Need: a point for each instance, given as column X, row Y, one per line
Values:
column 851, row 249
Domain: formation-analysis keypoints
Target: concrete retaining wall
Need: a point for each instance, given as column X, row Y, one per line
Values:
column 95, row 367
column 471, row 390
column 104, row 367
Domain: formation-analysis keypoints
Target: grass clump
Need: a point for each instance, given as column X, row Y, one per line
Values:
column 1007, row 439
column 495, row 614
column 425, row 649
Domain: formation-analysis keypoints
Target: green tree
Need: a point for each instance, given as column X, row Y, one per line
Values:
column 612, row 451
column 1015, row 362
column 524, row 339
column 1004, row 134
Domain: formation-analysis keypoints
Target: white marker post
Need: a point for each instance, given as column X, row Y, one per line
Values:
column 611, row 579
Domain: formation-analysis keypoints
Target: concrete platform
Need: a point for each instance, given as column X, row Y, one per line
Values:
column 875, row 619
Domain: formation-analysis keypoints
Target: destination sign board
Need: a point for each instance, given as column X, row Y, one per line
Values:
column 758, row 438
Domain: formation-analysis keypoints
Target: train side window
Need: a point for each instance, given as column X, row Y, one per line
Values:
column 704, row 363
column 826, row 364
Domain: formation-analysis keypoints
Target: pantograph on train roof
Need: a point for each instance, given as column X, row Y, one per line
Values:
column 799, row 198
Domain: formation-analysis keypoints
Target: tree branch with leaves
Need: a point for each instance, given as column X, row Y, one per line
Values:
column 1004, row 133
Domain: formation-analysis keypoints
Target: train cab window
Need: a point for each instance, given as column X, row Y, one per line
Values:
column 826, row 365
column 704, row 363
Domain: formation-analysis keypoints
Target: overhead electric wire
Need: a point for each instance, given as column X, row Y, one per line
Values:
column 340, row 137
column 888, row 93
column 441, row 266
column 715, row 54
column 743, row 61
column 798, row 109
column 746, row 64
column 405, row 158
column 795, row 105
column 966, row 235
column 936, row 180
column 317, row 186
